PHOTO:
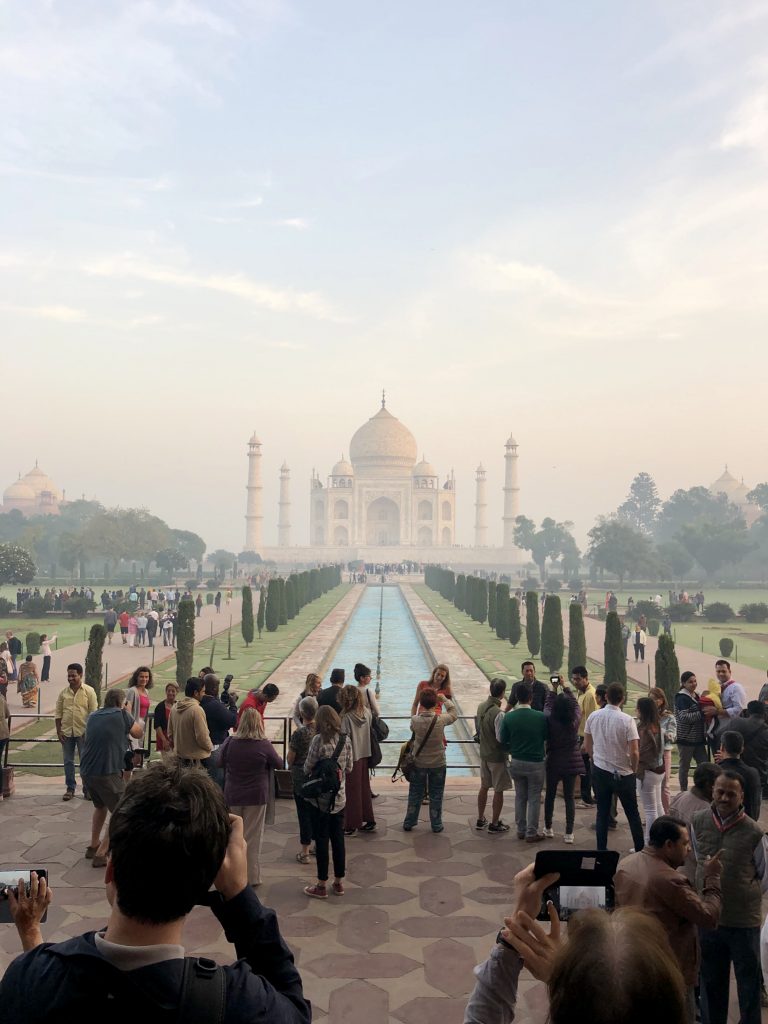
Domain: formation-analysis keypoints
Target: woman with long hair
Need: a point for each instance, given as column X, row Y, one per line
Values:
column 248, row 760
column 564, row 761
column 650, row 772
column 313, row 684
column 138, row 699
column 162, row 714
column 327, row 820
column 439, row 681
column 356, row 723
column 428, row 745
column 669, row 729
column 363, row 680
column 298, row 748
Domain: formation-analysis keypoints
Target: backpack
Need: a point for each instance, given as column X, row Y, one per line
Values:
column 323, row 785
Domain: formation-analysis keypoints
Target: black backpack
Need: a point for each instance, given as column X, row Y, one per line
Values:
column 323, row 785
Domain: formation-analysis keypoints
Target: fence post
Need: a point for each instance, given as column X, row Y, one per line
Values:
column 153, row 654
column 649, row 678
column 702, row 643
column 106, row 675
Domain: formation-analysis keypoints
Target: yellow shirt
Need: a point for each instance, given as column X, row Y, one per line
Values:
column 73, row 708
column 588, row 704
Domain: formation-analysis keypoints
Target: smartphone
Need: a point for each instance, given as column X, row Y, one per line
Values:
column 554, row 680
column 10, row 880
column 586, row 880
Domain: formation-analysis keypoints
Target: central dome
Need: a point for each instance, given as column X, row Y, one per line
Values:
column 383, row 443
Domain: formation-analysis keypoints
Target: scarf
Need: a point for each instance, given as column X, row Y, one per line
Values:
column 725, row 824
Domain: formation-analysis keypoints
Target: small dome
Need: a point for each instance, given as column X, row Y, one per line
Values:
column 20, row 492
column 725, row 484
column 383, row 442
column 510, row 442
column 254, row 439
column 40, row 482
column 342, row 468
column 739, row 494
column 424, row 468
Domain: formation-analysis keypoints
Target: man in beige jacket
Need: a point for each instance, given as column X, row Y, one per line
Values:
column 188, row 727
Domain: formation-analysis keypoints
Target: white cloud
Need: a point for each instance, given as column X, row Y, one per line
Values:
column 748, row 126
column 298, row 223
column 63, row 314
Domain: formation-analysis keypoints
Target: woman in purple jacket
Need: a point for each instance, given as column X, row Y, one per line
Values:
column 248, row 760
column 564, row 760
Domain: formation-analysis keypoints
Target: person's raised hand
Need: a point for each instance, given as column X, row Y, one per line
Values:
column 713, row 866
column 536, row 947
column 529, row 890
column 27, row 911
column 233, row 873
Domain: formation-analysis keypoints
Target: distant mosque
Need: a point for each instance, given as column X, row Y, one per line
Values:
column 34, row 494
column 736, row 492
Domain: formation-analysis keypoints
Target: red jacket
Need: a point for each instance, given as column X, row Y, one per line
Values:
column 253, row 700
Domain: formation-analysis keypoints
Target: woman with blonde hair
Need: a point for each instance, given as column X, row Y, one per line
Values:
column 356, row 723
column 440, row 682
column 298, row 748
column 669, row 728
column 312, row 686
column 248, row 760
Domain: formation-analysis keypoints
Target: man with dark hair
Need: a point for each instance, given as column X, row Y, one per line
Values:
column 523, row 732
column 611, row 740
column 650, row 880
column 259, row 699
column 754, row 731
column 539, row 690
column 732, row 694
column 330, row 695
column 187, row 725
column 726, row 826
column 494, row 773
column 729, row 757
column 73, row 706
column 176, row 820
column 587, row 704
column 690, row 723
column 220, row 718
column 697, row 798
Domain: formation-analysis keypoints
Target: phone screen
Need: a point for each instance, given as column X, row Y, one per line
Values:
column 570, row 898
column 11, row 878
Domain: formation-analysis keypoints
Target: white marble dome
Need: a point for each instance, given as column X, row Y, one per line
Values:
column 342, row 468
column 424, row 468
column 384, row 444
column 40, row 481
column 19, row 493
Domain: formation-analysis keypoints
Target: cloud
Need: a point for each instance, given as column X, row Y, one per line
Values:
column 64, row 314
column 748, row 125
column 249, row 203
column 298, row 223
column 495, row 274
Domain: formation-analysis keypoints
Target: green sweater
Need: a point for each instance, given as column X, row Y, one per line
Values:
column 523, row 733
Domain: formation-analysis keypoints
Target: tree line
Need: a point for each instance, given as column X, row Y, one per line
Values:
column 284, row 597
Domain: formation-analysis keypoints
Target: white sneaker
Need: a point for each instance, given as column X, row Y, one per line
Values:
column 549, row 833
column 568, row 837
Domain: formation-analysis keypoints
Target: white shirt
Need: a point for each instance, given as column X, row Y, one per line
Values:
column 612, row 731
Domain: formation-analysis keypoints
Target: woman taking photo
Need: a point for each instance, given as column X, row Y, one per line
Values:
column 669, row 729
column 312, row 687
column 248, row 760
column 45, row 650
column 439, row 681
column 356, row 723
column 298, row 748
column 428, row 745
column 162, row 714
column 650, row 772
column 564, row 761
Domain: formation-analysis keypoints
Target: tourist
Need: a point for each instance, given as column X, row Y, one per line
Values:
column 162, row 713
column 363, row 679
column 587, row 702
column 754, row 731
column 331, row 695
column 124, row 618
column 698, row 798
column 732, row 695
column 669, row 731
column 5, row 731
column 523, row 731
column 7, row 661
column 198, row 606
column 639, row 642
column 614, row 967
column 626, row 633
column 312, row 686
column 650, row 770
column 220, row 718
column 651, row 881
column 133, row 630
column 107, row 733
column 73, row 706
column 440, row 682
column 139, row 701
column 187, row 726
column 248, row 761
column 153, row 621
column 356, row 723
column 564, row 762
column 141, row 628
column 45, row 650
column 15, row 649
column 428, row 744
column 612, row 741
column 729, row 757
column 328, row 810
column 166, row 626
column 258, row 699
column 3, row 680
column 538, row 689
column 203, row 846
column 494, row 771
column 217, row 602
column 690, row 723
column 298, row 748
column 736, row 941
column 28, row 682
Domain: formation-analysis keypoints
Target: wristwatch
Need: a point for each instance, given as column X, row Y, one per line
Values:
column 501, row 941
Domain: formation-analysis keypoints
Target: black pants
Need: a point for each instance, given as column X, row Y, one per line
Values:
column 687, row 752
column 569, row 788
column 721, row 947
column 586, row 778
column 45, row 674
column 625, row 788
column 329, row 827
column 304, row 814
column 640, row 652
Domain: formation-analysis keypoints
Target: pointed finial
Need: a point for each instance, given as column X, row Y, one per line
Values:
column 383, row 399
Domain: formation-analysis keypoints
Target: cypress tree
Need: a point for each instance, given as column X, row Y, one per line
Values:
column 577, row 641
column 502, row 611
column 460, row 596
column 552, row 645
column 474, row 598
column 613, row 657
column 96, row 638
column 185, row 641
column 515, row 627
column 246, row 623
column 283, row 603
column 482, row 600
column 667, row 669
column 289, row 606
column 272, row 611
column 492, row 604
column 532, row 630
column 262, row 609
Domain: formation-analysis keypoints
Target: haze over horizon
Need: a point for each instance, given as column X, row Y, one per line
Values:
column 237, row 216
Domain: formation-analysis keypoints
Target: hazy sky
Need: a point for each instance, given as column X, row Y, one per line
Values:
column 547, row 218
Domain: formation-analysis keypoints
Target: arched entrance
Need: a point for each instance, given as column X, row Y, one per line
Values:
column 382, row 523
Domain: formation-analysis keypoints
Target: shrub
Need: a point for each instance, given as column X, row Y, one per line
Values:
column 246, row 622
column 529, row 583
column 283, row 606
column 718, row 611
column 667, row 669
column 682, row 612
column 575, row 584
column 185, row 641
column 647, row 608
column 6, row 606
column 36, row 607
column 553, row 586
column 756, row 612
column 552, row 645
column 502, row 611
column 577, row 641
column 93, row 668
column 213, row 584
column 653, row 627
column 726, row 647
column 209, row 598
column 481, row 609
column 127, row 606
column 515, row 627
column 272, row 610
column 32, row 643
column 492, row 604
column 460, row 592
column 190, row 585
column 78, row 607
column 532, row 630
column 613, row 648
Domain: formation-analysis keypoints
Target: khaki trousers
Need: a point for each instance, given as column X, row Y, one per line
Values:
column 253, row 816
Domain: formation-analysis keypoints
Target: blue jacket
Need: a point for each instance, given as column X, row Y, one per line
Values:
column 71, row 980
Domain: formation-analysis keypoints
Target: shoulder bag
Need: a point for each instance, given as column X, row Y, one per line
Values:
column 407, row 764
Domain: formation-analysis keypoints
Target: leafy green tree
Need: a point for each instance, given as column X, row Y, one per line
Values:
column 515, row 626
column 249, row 558
column 460, row 596
column 185, row 640
column 532, row 630
column 548, row 541
column 619, row 549
column 482, row 600
column 261, row 610
column 613, row 647
column 577, row 641
column 492, row 604
column 272, row 613
column 675, row 561
column 283, row 603
column 93, row 658
column 715, row 544
column 552, row 645
column 640, row 509
column 223, row 561
column 688, row 507
column 246, row 621
column 171, row 559
column 666, row 667
column 189, row 544
column 290, row 600
column 502, row 611
column 16, row 564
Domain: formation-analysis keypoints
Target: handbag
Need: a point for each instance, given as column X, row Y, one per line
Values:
column 379, row 732
column 406, row 765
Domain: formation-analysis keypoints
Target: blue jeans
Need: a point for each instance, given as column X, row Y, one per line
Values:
column 435, row 777
column 721, row 947
column 528, row 777
column 68, row 745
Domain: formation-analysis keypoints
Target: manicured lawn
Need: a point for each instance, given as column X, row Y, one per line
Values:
column 68, row 630
column 751, row 639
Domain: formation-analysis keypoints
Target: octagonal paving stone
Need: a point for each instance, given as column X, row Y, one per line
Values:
column 448, row 967
column 440, row 896
column 421, row 867
column 359, row 1001
column 367, row 869
column 432, row 847
column 362, row 965
column 435, row 928
column 379, row 895
column 363, row 929
column 491, row 894
column 431, row 1010
column 502, row 867
column 297, row 926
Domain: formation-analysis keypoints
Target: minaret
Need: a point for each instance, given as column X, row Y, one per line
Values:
column 284, row 508
column 481, row 509
column 511, row 492
column 254, row 520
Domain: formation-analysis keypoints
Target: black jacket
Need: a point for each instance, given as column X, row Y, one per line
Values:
column 71, row 981
column 220, row 718
column 330, row 696
column 755, row 733
column 539, row 698
column 689, row 719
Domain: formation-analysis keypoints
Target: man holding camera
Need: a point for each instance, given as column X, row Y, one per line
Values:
column 175, row 819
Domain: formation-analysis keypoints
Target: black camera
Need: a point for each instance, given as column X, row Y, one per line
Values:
column 586, row 880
